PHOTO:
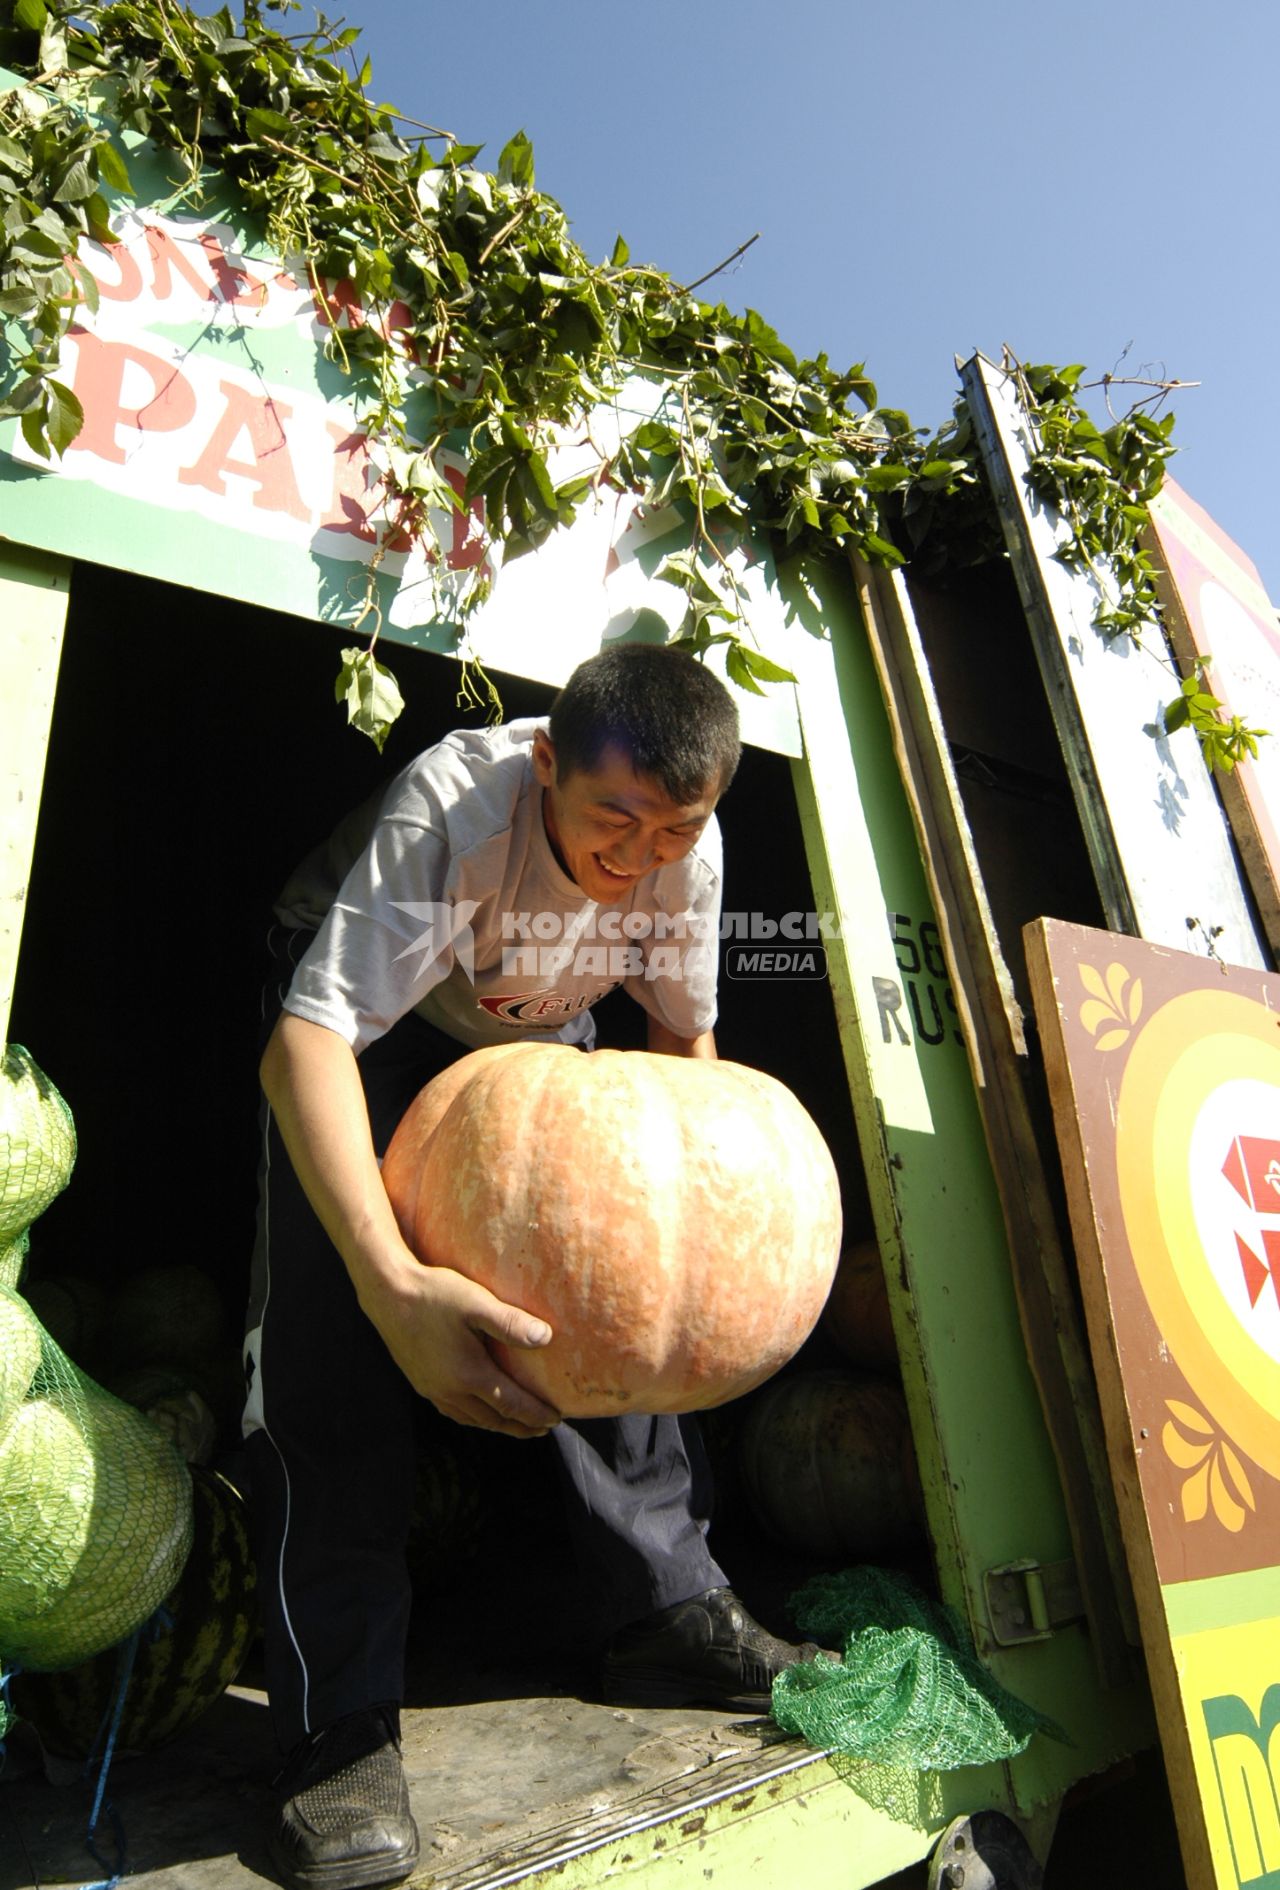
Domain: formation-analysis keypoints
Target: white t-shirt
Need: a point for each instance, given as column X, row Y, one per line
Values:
column 445, row 898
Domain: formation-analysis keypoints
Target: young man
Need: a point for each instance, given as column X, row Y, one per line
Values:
column 508, row 880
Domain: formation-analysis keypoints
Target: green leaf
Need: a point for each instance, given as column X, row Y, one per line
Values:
column 33, row 429
column 87, row 284
column 19, row 300
column 14, row 158
column 265, row 123
column 621, row 254
column 65, row 416
column 23, row 396
column 881, row 550
column 515, row 164
column 31, row 14
column 78, row 183
column 683, row 570
column 653, row 436
column 883, row 478
column 535, row 472
column 112, row 168
column 761, row 667
column 97, row 215
column 737, row 670
column 371, row 694
column 383, row 145
column 572, row 491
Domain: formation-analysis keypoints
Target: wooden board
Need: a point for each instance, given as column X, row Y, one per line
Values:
column 1216, row 607
column 1157, row 836
column 1164, row 1072
column 993, row 1027
column 991, row 1482
column 33, row 609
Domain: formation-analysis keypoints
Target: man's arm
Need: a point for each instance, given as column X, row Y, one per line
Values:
column 432, row 1320
column 667, row 1043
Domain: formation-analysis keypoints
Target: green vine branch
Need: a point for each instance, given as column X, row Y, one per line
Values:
column 467, row 318
column 1102, row 482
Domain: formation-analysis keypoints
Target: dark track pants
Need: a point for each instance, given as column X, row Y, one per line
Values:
column 331, row 1439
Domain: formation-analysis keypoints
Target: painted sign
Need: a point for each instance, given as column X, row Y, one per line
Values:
column 223, row 449
column 1165, row 1077
column 1217, row 609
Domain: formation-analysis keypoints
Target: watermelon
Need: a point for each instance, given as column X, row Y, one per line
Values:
column 20, row 1347
column 174, row 1405
column 179, row 1674
column 166, row 1315
column 72, row 1310
column 446, row 1518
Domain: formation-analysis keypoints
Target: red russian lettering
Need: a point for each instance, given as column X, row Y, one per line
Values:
column 355, row 495
column 233, row 284
column 127, row 287
column 270, row 470
column 98, row 383
column 338, row 300
column 224, row 283
column 170, row 258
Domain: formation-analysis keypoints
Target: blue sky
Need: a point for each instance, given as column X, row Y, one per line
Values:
column 927, row 179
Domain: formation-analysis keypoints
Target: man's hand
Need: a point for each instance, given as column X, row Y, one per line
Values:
column 434, row 1323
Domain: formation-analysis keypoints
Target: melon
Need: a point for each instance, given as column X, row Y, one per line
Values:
column 174, row 1405
column 446, row 1519
column 828, row 1464
column 166, row 1315
column 181, row 1671
column 675, row 1220
column 857, row 1313
column 73, row 1311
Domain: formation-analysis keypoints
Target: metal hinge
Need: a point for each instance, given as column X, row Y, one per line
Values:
column 1027, row 1600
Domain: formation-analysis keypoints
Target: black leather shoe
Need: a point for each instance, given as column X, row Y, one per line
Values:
column 343, row 1821
column 703, row 1652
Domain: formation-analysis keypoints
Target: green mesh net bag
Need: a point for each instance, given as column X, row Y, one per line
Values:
column 911, row 1691
column 37, row 1144
column 95, row 1503
column 13, row 1261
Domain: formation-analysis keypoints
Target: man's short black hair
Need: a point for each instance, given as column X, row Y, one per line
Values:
column 667, row 712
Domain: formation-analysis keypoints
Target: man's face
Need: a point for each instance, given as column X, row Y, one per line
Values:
column 609, row 827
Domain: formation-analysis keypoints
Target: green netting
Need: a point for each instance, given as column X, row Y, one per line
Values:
column 37, row 1143
column 911, row 1691
column 13, row 1261
column 95, row 1504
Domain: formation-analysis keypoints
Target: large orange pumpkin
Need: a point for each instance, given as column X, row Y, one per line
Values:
column 675, row 1221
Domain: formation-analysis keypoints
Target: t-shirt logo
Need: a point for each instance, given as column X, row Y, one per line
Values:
column 539, row 1010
